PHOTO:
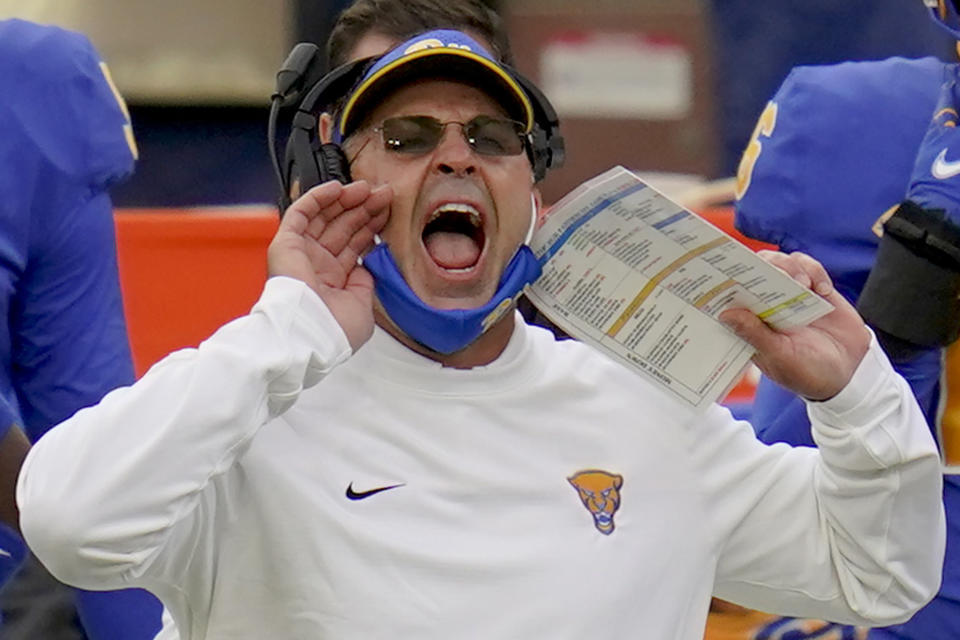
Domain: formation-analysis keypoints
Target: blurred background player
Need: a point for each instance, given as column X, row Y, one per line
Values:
column 756, row 44
column 372, row 27
column 65, row 139
column 840, row 155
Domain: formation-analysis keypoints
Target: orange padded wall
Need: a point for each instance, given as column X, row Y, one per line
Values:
column 185, row 273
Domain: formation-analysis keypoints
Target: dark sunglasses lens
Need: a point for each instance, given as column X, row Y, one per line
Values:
column 411, row 134
column 494, row 136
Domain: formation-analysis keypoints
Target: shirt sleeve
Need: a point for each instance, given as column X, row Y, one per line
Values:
column 853, row 532
column 158, row 446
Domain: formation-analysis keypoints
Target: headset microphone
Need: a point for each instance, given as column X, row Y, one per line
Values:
column 302, row 69
column 307, row 160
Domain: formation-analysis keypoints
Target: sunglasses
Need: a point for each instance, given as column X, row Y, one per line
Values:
column 486, row 135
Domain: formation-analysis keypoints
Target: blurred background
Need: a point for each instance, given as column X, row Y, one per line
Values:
column 665, row 86
column 668, row 88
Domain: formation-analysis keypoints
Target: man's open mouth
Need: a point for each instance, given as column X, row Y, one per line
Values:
column 454, row 237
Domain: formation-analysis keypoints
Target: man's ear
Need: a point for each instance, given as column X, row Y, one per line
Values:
column 325, row 128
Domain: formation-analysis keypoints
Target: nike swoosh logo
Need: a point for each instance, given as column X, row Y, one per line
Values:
column 360, row 495
column 942, row 169
column 5, row 553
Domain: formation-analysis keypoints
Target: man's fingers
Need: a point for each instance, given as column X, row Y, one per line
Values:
column 750, row 328
column 788, row 263
column 804, row 269
column 337, row 234
column 379, row 221
column 817, row 277
column 358, row 246
column 361, row 241
column 306, row 207
column 344, row 229
column 320, row 222
column 355, row 194
column 329, row 209
column 379, row 199
column 352, row 198
column 341, row 222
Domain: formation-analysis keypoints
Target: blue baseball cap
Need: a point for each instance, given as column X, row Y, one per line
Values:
column 444, row 54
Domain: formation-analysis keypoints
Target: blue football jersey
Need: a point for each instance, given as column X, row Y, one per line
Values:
column 65, row 138
column 832, row 153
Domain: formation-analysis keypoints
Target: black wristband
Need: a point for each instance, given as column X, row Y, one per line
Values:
column 912, row 291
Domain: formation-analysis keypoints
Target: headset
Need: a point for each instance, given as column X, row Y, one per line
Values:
column 309, row 162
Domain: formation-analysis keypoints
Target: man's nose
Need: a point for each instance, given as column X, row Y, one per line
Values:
column 453, row 154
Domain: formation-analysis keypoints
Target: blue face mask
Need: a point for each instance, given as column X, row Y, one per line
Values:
column 446, row 330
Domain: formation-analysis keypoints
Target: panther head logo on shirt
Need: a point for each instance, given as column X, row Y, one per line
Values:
column 600, row 493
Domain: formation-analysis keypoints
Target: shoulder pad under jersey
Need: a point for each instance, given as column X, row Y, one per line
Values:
column 835, row 152
column 59, row 108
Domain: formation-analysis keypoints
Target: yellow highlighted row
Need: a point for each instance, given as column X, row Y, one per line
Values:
column 763, row 315
column 657, row 279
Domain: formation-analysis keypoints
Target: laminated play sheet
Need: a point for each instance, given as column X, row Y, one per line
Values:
column 639, row 277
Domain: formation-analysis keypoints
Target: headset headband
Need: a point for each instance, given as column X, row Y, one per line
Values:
column 315, row 162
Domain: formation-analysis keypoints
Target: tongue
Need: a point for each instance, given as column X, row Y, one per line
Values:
column 452, row 250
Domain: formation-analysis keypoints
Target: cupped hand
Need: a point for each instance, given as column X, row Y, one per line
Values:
column 320, row 238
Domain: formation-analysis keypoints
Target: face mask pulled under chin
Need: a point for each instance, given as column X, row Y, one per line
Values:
column 446, row 330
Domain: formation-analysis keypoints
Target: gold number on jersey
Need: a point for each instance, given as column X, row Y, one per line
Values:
column 765, row 125
column 127, row 128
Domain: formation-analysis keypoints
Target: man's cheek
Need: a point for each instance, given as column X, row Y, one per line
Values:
column 398, row 234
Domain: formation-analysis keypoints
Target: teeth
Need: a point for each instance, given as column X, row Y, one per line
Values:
column 457, row 207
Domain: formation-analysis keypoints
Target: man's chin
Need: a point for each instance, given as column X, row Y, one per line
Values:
column 450, row 296
column 452, row 304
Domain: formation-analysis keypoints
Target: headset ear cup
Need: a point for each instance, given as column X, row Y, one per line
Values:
column 333, row 163
column 309, row 162
column 301, row 163
column 557, row 150
column 547, row 150
column 539, row 153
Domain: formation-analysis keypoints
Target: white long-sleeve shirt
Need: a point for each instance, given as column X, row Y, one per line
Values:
column 220, row 482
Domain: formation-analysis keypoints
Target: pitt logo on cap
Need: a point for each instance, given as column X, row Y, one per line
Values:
column 433, row 43
column 599, row 492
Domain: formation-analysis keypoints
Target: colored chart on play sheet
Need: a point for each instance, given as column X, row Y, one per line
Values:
column 643, row 279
